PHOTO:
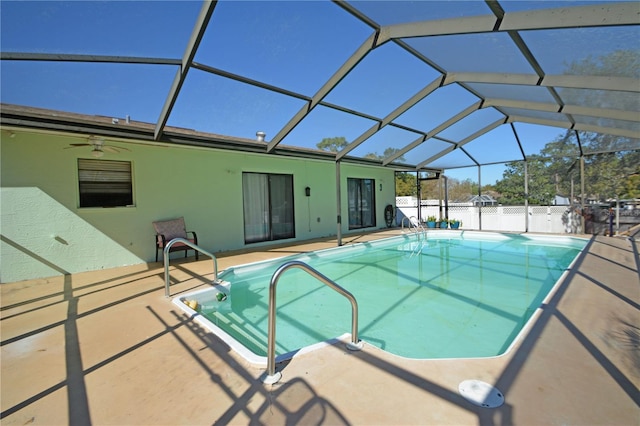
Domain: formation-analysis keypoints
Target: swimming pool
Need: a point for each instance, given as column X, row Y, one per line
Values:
column 453, row 294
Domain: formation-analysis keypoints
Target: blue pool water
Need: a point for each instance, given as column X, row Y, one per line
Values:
column 451, row 295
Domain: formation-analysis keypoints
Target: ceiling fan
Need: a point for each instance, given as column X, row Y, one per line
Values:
column 99, row 147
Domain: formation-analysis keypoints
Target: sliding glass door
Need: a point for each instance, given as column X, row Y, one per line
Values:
column 362, row 200
column 268, row 207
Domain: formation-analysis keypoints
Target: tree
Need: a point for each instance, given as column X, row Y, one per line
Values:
column 632, row 187
column 334, row 144
column 630, row 163
column 460, row 191
column 541, row 184
column 561, row 163
column 405, row 184
column 607, row 172
column 430, row 189
column 611, row 162
column 386, row 154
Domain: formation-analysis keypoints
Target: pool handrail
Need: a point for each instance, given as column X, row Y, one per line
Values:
column 271, row 376
column 417, row 225
column 414, row 224
column 193, row 246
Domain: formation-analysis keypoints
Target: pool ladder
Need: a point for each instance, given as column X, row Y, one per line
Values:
column 193, row 246
column 415, row 226
column 271, row 376
column 419, row 230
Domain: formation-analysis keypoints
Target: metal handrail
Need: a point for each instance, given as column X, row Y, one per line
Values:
column 193, row 246
column 271, row 375
column 415, row 225
column 402, row 223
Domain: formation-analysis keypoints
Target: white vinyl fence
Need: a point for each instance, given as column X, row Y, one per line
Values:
column 545, row 219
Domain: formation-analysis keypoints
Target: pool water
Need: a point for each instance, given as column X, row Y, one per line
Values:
column 449, row 295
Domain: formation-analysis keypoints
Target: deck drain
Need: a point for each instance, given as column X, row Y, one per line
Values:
column 481, row 394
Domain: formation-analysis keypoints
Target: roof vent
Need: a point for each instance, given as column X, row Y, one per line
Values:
column 260, row 136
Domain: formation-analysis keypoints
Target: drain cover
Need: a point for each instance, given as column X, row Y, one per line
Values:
column 481, row 394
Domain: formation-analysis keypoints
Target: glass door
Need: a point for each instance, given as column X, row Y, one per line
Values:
column 362, row 201
column 268, row 207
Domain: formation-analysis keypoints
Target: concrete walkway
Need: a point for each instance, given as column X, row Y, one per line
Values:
column 107, row 347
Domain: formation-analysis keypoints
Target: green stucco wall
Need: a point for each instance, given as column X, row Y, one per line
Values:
column 44, row 233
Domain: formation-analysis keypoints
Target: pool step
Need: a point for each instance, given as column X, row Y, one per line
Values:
column 243, row 331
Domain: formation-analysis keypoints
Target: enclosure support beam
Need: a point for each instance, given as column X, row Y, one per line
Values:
column 464, row 141
column 187, row 59
column 480, row 198
column 336, row 78
column 419, row 194
column 624, row 84
column 338, row 204
column 440, row 199
column 426, row 91
column 526, row 197
column 565, row 109
column 446, row 197
column 625, row 133
column 556, row 18
column 584, row 225
column 450, row 122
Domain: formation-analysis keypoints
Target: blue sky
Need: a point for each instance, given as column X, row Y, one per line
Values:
column 294, row 45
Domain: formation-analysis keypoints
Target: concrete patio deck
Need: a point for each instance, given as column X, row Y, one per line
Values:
column 107, row 347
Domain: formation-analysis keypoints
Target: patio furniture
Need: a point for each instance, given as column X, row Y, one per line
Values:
column 167, row 230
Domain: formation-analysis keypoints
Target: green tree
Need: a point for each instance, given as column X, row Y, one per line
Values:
column 630, row 164
column 561, row 166
column 611, row 162
column 386, row 154
column 460, row 191
column 430, row 189
column 335, row 144
column 541, row 184
column 405, row 184
column 632, row 187
column 616, row 158
column 607, row 174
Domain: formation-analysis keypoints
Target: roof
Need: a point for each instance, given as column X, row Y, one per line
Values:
column 419, row 85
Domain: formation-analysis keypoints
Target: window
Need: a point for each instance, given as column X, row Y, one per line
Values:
column 268, row 207
column 362, row 201
column 105, row 183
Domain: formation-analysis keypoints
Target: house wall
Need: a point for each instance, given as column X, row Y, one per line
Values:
column 44, row 233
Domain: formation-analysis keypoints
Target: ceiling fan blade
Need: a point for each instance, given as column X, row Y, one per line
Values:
column 112, row 148
column 74, row 145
